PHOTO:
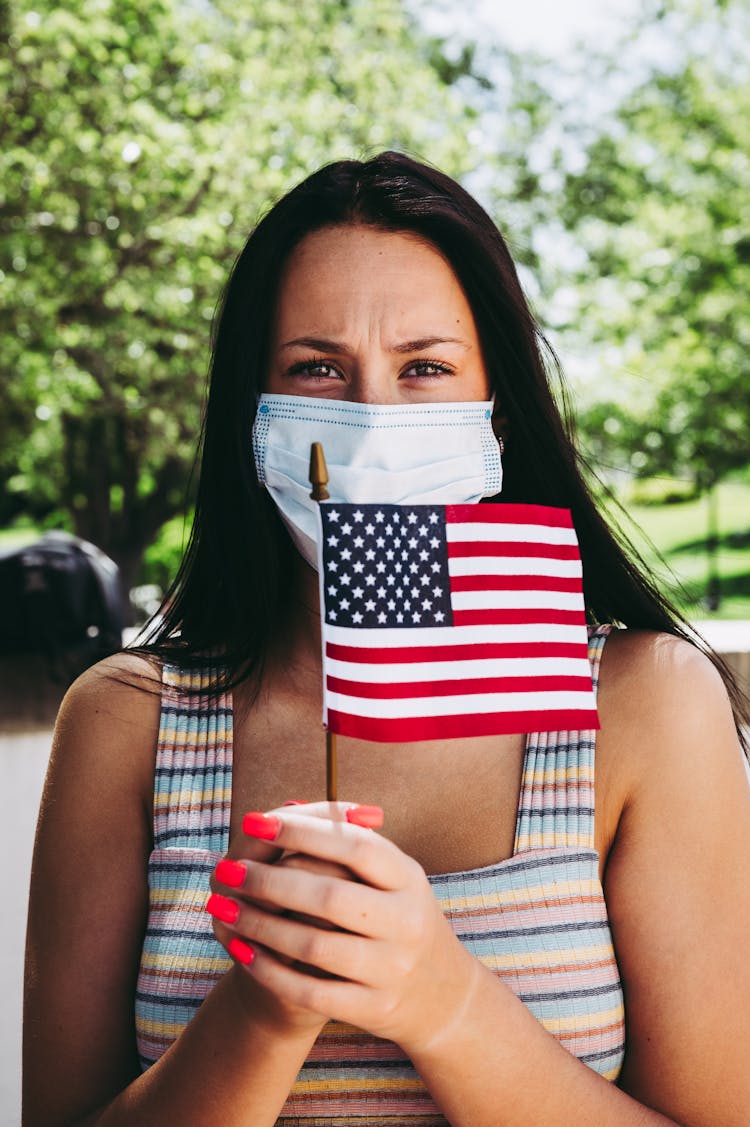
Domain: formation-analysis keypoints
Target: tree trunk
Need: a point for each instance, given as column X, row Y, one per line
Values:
column 102, row 460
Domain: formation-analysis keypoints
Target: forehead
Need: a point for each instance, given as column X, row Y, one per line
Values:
column 356, row 268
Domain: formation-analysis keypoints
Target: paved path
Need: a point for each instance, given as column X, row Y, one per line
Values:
column 726, row 636
column 23, row 762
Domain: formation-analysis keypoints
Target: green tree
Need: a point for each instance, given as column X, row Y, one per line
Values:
column 140, row 143
column 661, row 208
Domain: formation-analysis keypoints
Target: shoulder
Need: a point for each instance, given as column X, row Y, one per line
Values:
column 125, row 684
column 654, row 660
column 108, row 723
column 659, row 687
column 666, row 723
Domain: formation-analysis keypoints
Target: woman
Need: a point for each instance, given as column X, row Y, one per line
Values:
column 497, row 954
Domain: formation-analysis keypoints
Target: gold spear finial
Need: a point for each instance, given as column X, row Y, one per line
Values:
column 318, row 476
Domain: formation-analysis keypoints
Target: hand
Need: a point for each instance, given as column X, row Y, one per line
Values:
column 257, row 1000
column 397, row 969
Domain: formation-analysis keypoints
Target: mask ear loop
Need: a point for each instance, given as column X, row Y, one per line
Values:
column 499, row 424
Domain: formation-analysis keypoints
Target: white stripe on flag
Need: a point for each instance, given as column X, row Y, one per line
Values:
column 510, row 600
column 393, row 637
column 390, row 672
column 514, row 565
column 458, row 705
column 469, row 531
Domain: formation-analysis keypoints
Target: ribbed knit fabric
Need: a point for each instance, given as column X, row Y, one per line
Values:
column 537, row 919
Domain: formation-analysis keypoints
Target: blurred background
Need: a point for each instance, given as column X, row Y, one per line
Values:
column 142, row 139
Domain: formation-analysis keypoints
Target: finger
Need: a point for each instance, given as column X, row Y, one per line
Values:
column 301, row 861
column 223, row 932
column 260, row 849
column 242, row 847
column 338, row 953
column 369, row 856
column 314, row 865
column 335, row 998
column 353, row 812
column 346, row 904
column 336, row 811
column 230, row 873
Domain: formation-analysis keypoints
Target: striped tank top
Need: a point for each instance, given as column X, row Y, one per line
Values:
column 538, row 919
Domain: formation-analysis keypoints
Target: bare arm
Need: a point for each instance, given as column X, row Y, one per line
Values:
column 678, row 889
column 236, row 1061
column 679, row 906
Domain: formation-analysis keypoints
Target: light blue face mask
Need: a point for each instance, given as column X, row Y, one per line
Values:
column 426, row 453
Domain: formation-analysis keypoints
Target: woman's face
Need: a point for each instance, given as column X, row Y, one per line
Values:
column 373, row 317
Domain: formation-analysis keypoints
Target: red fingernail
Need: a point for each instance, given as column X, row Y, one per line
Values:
column 230, row 872
column 369, row 816
column 241, row 951
column 295, row 802
column 223, row 908
column 265, row 826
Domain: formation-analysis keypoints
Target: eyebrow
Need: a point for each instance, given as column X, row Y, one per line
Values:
column 419, row 345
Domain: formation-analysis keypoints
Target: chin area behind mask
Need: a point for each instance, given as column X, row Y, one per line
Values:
column 442, row 453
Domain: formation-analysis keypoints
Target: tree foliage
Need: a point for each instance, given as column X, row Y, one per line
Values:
column 662, row 210
column 141, row 141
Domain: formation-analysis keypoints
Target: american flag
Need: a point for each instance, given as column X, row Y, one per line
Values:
column 452, row 620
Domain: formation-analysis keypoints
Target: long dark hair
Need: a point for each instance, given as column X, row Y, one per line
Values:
column 232, row 593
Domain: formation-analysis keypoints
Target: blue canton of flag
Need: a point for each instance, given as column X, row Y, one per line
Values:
column 385, row 565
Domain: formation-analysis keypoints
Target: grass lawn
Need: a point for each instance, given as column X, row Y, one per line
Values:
column 679, row 532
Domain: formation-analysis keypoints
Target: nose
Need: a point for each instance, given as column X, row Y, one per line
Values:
column 372, row 382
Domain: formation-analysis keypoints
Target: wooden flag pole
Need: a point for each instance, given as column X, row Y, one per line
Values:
column 319, row 480
column 331, row 787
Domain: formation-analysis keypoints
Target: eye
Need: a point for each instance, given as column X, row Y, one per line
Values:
column 427, row 369
column 314, row 370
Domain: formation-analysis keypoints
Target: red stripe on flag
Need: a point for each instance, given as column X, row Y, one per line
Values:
column 463, row 549
column 525, row 616
column 495, row 513
column 516, row 583
column 452, row 727
column 471, row 651
column 396, row 691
